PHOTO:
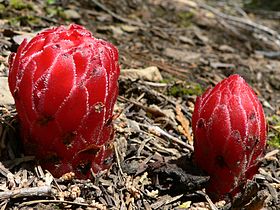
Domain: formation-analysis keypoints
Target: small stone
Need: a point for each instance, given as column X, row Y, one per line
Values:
column 226, row 48
column 5, row 94
column 19, row 38
column 72, row 14
column 181, row 55
column 186, row 40
column 151, row 73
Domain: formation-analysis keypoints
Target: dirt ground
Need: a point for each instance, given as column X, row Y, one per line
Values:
column 170, row 52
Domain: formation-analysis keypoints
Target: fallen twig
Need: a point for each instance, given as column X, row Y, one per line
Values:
column 97, row 205
column 271, row 154
column 269, row 54
column 156, row 129
column 210, row 202
column 246, row 24
column 158, row 94
column 26, row 192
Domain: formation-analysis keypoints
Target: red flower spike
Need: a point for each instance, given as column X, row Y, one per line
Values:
column 64, row 82
column 230, row 135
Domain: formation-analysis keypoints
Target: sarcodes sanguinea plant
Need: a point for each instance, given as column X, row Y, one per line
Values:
column 230, row 132
column 64, row 82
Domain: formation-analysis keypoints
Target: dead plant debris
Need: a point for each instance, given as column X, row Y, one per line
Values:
column 174, row 50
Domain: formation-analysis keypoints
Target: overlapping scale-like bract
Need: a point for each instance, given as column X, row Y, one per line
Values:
column 64, row 82
column 230, row 131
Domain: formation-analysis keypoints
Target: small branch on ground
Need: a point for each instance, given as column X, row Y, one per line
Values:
column 26, row 192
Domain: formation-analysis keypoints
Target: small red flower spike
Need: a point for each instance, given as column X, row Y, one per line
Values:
column 230, row 132
column 64, row 82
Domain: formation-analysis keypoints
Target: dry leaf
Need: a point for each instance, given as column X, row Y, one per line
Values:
column 185, row 124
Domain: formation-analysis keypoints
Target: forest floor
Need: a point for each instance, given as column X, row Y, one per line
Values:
column 173, row 50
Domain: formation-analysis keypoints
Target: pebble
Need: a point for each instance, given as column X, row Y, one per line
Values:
column 6, row 97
